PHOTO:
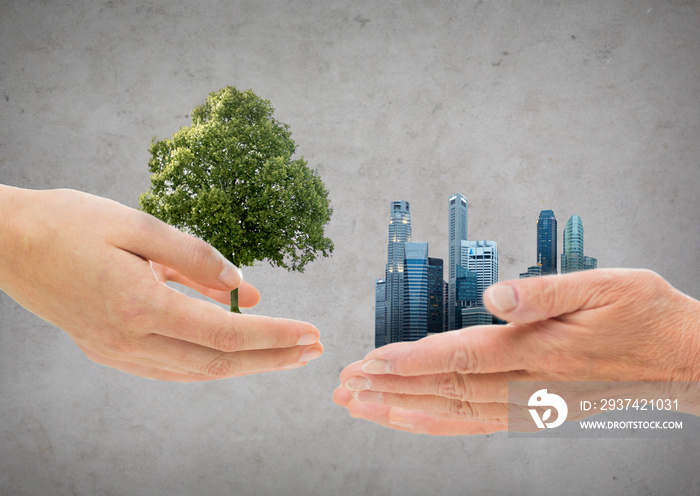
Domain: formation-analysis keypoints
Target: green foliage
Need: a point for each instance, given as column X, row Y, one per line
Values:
column 230, row 179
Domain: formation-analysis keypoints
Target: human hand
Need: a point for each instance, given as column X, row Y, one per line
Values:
column 601, row 325
column 97, row 269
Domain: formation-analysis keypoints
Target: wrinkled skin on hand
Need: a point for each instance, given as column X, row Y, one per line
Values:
column 601, row 325
column 97, row 269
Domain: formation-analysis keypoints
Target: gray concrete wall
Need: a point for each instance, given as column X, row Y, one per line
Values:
column 588, row 108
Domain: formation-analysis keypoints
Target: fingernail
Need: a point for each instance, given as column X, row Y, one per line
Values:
column 377, row 366
column 358, row 383
column 503, row 297
column 307, row 339
column 231, row 276
column 294, row 366
column 369, row 397
column 401, row 424
column 311, row 354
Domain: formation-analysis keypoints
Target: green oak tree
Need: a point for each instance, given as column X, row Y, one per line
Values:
column 231, row 180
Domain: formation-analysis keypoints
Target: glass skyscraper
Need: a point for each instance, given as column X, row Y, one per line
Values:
column 572, row 259
column 465, row 293
column 415, row 294
column 379, row 312
column 547, row 242
column 457, row 233
column 399, row 235
column 436, row 298
column 466, row 287
column 410, row 300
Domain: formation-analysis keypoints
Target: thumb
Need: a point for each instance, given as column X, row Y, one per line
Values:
column 540, row 298
column 195, row 259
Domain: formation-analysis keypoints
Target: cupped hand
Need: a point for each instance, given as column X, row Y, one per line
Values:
column 97, row 269
column 601, row 325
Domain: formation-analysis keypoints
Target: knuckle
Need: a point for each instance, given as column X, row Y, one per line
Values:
column 228, row 339
column 612, row 284
column 200, row 253
column 223, row 365
column 461, row 409
column 453, row 386
column 647, row 280
column 459, row 361
column 463, row 360
column 130, row 312
column 117, row 346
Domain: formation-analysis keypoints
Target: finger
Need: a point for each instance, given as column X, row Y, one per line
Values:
column 248, row 295
column 451, row 408
column 374, row 413
column 475, row 350
column 540, row 298
column 155, row 373
column 342, row 396
column 148, row 237
column 201, row 360
column 151, row 369
column 411, row 421
column 201, row 322
column 379, row 414
column 483, row 388
column 425, row 423
column 148, row 371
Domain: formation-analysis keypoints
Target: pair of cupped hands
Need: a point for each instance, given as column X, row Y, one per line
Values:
column 97, row 269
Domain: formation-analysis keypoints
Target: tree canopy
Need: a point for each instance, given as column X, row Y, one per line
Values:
column 231, row 179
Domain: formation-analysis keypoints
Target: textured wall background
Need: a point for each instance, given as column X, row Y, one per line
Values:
column 588, row 108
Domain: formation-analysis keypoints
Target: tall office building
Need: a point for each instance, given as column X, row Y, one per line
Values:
column 457, row 233
column 481, row 257
column 380, row 338
column 465, row 293
column 572, row 259
column 547, row 242
column 436, row 299
column 415, row 294
column 410, row 300
column 399, row 235
column 445, row 299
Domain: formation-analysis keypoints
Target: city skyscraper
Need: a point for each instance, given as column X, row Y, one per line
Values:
column 413, row 299
column 436, row 295
column 465, row 293
column 415, row 294
column 410, row 299
column 572, row 252
column 481, row 257
column 457, row 233
column 572, row 257
column 379, row 312
column 399, row 235
column 547, row 242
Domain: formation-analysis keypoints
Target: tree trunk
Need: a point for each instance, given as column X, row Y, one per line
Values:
column 234, row 301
